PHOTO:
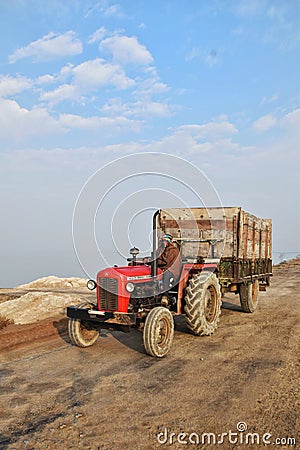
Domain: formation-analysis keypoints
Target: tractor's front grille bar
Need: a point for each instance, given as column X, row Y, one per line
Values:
column 108, row 288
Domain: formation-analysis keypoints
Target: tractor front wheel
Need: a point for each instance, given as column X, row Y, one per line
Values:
column 82, row 333
column 158, row 332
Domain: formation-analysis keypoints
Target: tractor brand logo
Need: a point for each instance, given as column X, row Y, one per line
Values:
column 139, row 277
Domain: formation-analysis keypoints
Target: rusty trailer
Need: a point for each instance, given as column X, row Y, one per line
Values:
column 240, row 242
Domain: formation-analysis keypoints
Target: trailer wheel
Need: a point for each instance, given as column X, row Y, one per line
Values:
column 203, row 304
column 249, row 296
column 158, row 332
column 82, row 333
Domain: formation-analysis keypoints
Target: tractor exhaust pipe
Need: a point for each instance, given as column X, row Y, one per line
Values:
column 154, row 246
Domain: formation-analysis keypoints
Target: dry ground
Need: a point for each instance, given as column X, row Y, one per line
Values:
column 114, row 396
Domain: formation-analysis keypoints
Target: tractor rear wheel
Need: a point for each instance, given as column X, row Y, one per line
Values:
column 249, row 296
column 203, row 304
column 158, row 332
column 82, row 333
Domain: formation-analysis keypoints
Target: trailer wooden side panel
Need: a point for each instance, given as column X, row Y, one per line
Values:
column 255, row 237
column 227, row 233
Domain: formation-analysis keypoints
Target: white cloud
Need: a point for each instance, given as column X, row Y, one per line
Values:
column 94, row 73
column 209, row 140
column 97, row 124
column 98, row 35
column 181, row 143
column 115, row 106
column 66, row 71
column 152, row 84
column 85, row 78
column 126, row 50
column 292, row 119
column 207, row 144
column 50, row 46
column 18, row 124
column 148, row 109
column 210, row 131
column 13, row 85
column 113, row 10
column 45, row 79
column 105, row 9
column 139, row 109
column 79, row 83
column 289, row 122
column 264, row 123
column 63, row 92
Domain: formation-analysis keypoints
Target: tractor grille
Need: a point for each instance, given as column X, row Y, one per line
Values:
column 108, row 288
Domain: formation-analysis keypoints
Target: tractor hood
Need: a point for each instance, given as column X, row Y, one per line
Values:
column 139, row 272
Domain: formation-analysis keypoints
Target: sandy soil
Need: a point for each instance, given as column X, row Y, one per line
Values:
column 42, row 298
column 114, row 396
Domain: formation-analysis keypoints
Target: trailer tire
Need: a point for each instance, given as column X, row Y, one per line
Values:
column 203, row 304
column 249, row 296
column 158, row 332
column 81, row 333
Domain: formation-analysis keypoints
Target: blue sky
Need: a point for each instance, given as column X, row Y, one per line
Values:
column 85, row 82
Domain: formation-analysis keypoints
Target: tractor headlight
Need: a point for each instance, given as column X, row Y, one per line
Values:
column 129, row 287
column 91, row 285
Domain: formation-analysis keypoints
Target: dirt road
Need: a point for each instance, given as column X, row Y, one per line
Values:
column 114, row 396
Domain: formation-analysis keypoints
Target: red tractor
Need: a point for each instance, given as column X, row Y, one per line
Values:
column 133, row 295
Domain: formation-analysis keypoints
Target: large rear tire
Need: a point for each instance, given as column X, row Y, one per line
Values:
column 82, row 333
column 249, row 296
column 158, row 332
column 203, row 304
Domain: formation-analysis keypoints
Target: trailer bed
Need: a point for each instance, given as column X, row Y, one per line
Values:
column 238, row 240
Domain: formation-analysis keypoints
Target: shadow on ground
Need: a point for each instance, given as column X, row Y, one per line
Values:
column 134, row 338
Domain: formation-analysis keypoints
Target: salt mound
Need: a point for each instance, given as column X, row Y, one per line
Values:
column 53, row 282
column 35, row 306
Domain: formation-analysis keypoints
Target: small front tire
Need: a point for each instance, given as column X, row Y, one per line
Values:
column 158, row 332
column 82, row 333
